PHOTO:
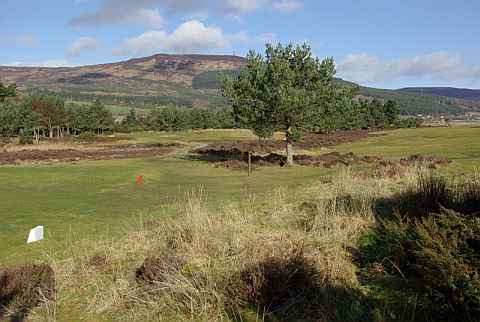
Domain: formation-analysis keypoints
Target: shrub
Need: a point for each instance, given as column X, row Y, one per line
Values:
column 25, row 287
column 307, row 212
column 439, row 257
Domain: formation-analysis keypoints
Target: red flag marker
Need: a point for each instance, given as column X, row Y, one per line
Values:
column 139, row 179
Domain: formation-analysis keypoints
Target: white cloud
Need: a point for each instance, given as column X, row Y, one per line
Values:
column 287, row 5
column 190, row 36
column 442, row 66
column 46, row 63
column 82, row 44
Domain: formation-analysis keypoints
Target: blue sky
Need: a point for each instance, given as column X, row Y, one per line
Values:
column 378, row 43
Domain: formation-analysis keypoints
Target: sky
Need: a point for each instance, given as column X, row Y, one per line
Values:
column 377, row 43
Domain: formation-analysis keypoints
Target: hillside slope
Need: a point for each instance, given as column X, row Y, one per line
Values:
column 458, row 93
column 190, row 81
column 180, row 69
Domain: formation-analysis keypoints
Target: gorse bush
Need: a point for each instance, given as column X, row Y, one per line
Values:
column 436, row 250
column 446, row 263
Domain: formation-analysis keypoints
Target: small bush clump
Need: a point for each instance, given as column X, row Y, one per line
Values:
column 158, row 269
column 26, row 139
column 24, row 288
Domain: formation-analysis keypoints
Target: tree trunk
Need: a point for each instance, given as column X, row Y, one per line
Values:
column 51, row 132
column 289, row 145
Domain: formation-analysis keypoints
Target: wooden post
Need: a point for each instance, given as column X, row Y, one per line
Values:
column 249, row 163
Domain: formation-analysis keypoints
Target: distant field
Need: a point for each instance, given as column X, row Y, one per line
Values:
column 93, row 199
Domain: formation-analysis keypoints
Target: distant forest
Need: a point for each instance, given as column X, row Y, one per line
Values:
column 409, row 103
column 41, row 115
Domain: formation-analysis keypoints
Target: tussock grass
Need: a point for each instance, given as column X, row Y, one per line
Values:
column 432, row 191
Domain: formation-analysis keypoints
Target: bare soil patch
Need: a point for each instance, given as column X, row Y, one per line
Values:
column 73, row 155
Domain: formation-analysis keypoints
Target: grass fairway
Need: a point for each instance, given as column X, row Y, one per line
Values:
column 460, row 144
column 100, row 198
column 93, row 199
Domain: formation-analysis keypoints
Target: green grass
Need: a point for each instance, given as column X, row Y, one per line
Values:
column 459, row 144
column 95, row 199
column 100, row 198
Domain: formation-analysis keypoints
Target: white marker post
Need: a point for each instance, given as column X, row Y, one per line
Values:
column 36, row 234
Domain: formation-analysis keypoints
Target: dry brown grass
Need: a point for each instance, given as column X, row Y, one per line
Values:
column 205, row 265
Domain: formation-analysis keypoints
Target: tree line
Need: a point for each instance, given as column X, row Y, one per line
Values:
column 36, row 117
column 39, row 116
column 177, row 119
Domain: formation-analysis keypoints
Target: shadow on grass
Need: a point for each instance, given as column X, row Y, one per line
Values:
column 289, row 288
column 328, row 303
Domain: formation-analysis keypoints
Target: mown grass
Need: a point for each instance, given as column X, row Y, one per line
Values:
column 89, row 199
column 461, row 144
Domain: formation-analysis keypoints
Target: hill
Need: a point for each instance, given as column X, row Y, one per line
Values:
column 191, row 81
column 458, row 93
column 141, row 82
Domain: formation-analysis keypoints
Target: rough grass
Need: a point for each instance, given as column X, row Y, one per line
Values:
column 238, row 263
column 433, row 192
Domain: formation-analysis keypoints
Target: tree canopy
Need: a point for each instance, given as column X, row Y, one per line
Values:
column 7, row 91
column 281, row 91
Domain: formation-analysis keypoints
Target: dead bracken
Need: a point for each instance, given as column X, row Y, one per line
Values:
column 237, row 159
column 310, row 141
column 73, row 155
